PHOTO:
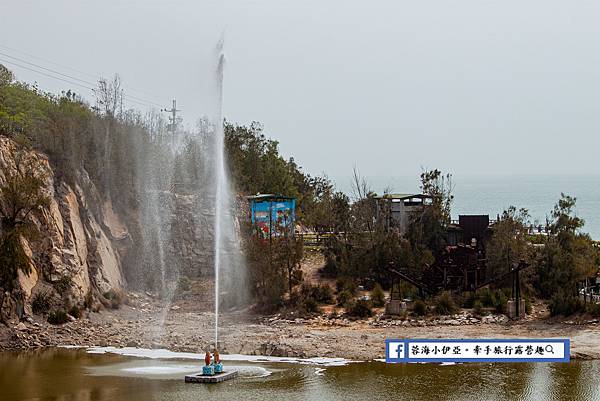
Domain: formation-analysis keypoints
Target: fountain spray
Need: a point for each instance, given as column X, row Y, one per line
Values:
column 221, row 180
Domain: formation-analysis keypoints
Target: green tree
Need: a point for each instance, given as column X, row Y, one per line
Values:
column 6, row 76
column 273, row 265
column 427, row 230
column 568, row 257
column 256, row 166
column 508, row 244
column 21, row 194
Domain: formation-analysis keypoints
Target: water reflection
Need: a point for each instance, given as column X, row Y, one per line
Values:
column 63, row 374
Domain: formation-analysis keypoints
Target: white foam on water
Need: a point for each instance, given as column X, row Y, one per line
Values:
column 250, row 371
column 439, row 364
column 166, row 354
column 160, row 370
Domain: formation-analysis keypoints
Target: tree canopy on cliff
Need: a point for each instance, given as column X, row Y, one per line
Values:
column 257, row 167
column 115, row 145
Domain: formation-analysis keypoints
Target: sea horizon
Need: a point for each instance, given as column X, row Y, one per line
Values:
column 492, row 194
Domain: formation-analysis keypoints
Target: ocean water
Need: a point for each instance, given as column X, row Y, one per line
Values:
column 494, row 194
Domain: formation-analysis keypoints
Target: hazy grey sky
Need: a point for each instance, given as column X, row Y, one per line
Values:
column 471, row 86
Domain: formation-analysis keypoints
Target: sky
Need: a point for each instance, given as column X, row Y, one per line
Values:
column 471, row 87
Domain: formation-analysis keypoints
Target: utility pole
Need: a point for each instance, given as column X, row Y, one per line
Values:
column 173, row 119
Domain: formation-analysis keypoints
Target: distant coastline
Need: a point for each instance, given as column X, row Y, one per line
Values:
column 493, row 194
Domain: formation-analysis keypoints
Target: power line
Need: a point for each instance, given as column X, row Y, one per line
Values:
column 131, row 98
column 94, row 76
column 48, row 61
column 68, row 81
column 44, row 68
column 75, row 78
column 43, row 73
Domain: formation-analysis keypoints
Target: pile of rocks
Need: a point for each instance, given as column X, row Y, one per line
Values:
column 451, row 320
column 27, row 335
column 322, row 320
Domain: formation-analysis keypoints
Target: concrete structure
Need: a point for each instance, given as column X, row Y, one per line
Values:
column 512, row 309
column 398, row 209
column 216, row 378
column 395, row 307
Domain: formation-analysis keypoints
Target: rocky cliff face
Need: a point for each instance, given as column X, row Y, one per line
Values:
column 74, row 254
column 85, row 249
column 192, row 235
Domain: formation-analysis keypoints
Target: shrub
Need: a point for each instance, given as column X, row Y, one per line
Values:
column 565, row 305
column 345, row 284
column 41, row 302
column 594, row 310
column 114, row 298
column 406, row 290
column 321, row 293
column 75, row 311
column 419, row 308
column 459, row 300
column 377, row 296
column 88, row 301
column 501, row 302
column 343, row 298
column 469, row 300
column 63, row 284
column 184, row 284
column 295, row 299
column 487, row 297
column 444, row 304
column 360, row 308
column 331, row 267
column 58, row 317
column 478, row 308
column 309, row 305
column 528, row 306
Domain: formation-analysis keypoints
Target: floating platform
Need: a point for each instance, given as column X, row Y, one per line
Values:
column 216, row 378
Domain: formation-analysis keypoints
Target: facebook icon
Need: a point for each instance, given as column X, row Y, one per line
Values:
column 395, row 350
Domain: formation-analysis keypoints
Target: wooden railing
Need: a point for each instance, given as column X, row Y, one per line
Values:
column 316, row 239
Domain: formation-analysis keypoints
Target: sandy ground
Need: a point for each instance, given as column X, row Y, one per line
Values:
column 146, row 323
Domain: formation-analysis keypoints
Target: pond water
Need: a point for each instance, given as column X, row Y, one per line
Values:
column 78, row 375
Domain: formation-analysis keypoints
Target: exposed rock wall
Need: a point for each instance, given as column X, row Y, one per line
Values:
column 87, row 245
column 74, row 251
column 192, row 235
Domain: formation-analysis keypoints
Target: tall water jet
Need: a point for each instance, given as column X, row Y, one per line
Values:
column 221, row 179
column 229, row 271
column 187, row 213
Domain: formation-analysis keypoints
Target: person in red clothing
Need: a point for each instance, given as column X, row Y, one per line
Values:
column 207, row 358
column 216, row 357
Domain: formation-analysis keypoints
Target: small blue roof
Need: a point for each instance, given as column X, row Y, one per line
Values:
column 266, row 197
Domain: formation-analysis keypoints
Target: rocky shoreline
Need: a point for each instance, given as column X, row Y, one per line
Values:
column 146, row 323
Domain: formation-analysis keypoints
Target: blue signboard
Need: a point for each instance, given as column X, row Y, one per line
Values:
column 273, row 215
